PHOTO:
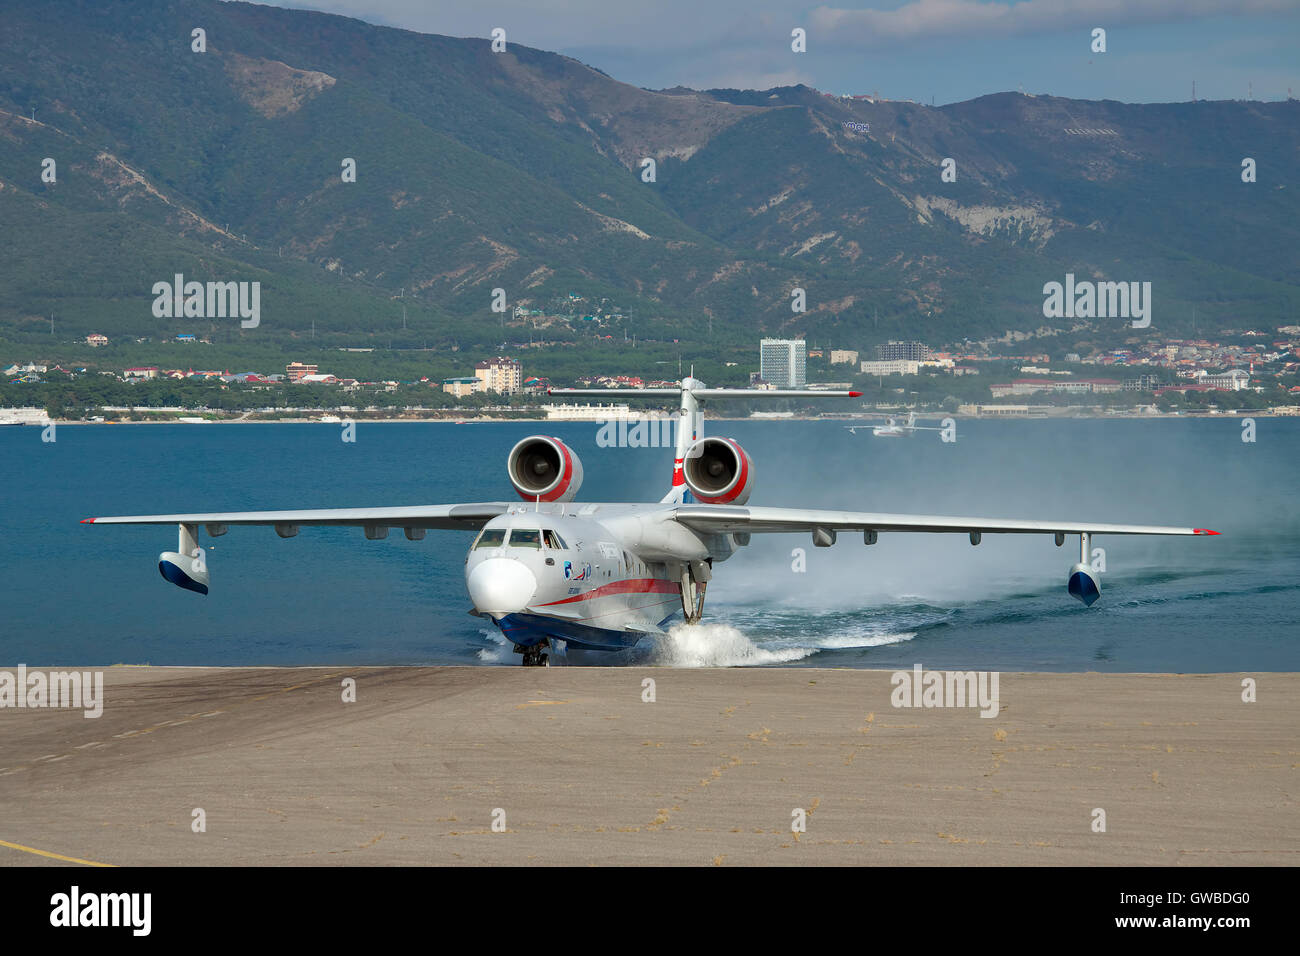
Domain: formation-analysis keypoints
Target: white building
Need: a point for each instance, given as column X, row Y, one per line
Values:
column 460, row 387
column 29, row 369
column 891, row 367
column 593, row 413
column 24, row 416
column 783, row 362
column 502, row 375
column 1233, row 380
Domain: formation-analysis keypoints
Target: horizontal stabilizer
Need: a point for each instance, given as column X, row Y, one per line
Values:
column 712, row 392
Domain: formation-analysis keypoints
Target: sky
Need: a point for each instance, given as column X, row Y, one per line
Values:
column 943, row 51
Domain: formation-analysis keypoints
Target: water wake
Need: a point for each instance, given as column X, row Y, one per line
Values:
column 716, row 644
column 498, row 651
column 708, row 644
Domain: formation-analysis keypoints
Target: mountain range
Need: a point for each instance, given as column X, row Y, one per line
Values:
column 525, row 171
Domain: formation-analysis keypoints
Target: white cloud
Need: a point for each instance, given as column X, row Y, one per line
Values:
column 916, row 47
column 923, row 20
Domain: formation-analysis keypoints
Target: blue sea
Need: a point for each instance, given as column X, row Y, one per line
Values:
column 85, row 595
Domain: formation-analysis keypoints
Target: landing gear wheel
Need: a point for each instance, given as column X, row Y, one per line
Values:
column 536, row 656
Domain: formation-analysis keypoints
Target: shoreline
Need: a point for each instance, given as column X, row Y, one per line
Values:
column 865, row 419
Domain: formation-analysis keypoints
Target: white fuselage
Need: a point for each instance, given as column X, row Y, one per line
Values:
column 895, row 429
column 891, row 431
column 593, row 575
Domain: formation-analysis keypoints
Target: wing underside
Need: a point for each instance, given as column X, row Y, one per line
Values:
column 187, row 568
column 721, row 519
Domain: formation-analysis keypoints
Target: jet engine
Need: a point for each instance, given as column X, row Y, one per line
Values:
column 544, row 468
column 718, row 471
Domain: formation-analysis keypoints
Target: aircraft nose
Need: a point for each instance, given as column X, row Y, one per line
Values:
column 501, row 586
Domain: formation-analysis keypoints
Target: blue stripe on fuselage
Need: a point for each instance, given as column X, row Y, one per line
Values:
column 528, row 630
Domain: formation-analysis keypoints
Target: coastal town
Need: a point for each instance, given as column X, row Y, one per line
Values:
column 1250, row 369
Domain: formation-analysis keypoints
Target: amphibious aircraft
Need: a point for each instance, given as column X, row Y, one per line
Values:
column 892, row 429
column 603, row 576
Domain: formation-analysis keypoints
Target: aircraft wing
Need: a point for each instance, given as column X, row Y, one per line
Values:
column 720, row 519
column 187, row 568
column 444, row 517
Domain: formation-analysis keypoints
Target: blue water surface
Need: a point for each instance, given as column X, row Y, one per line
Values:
column 87, row 595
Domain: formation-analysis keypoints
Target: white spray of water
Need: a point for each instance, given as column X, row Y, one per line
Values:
column 717, row 645
column 499, row 651
column 864, row 640
column 714, row 644
column 707, row 644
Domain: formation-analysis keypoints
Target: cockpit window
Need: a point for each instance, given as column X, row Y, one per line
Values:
column 553, row 540
column 491, row 538
column 525, row 538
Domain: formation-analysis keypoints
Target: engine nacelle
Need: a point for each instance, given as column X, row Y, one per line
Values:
column 1083, row 584
column 718, row 471
column 544, row 468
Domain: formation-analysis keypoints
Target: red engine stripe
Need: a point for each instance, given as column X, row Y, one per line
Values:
column 741, row 480
column 563, row 486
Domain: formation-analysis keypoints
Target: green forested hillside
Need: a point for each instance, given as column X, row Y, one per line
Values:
column 521, row 170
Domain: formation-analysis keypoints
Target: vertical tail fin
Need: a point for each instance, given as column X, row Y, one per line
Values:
column 689, row 430
column 690, row 420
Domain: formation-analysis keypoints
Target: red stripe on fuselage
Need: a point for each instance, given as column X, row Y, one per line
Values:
column 630, row 586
